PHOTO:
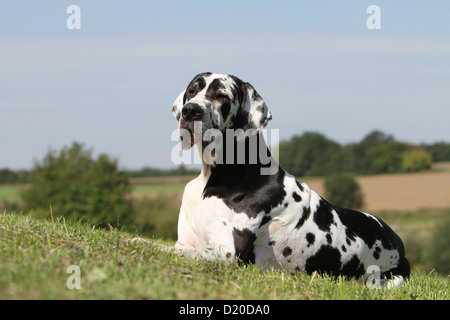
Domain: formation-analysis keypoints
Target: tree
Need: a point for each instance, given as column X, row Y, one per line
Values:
column 311, row 154
column 386, row 157
column 440, row 151
column 343, row 190
column 360, row 150
column 77, row 186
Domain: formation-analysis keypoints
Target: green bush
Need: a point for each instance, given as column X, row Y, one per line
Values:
column 415, row 160
column 77, row 186
column 343, row 190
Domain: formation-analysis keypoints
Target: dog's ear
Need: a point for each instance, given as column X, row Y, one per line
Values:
column 253, row 113
column 178, row 105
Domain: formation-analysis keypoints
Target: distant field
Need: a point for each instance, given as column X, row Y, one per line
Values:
column 400, row 191
column 11, row 192
column 153, row 186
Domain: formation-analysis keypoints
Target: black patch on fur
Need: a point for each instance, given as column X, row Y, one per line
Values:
column 238, row 90
column 241, row 121
column 225, row 110
column 350, row 236
column 369, row 229
column 214, row 90
column 300, row 186
column 296, row 197
column 271, row 242
column 195, row 86
column 256, row 96
column 310, row 238
column 303, row 218
column 264, row 220
column 323, row 216
column 327, row 260
column 329, row 238
column 376, row 253
column 287, row 251
column 262, row 192
column 353, row 268
column 244, row 245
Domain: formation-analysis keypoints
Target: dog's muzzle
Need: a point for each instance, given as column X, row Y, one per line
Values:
column 192, row 112
column 191, row 124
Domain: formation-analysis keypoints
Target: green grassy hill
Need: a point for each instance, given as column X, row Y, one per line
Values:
column 36, row 254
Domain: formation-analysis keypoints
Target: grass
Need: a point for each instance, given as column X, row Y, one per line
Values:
column 157, row 188
column 35, row 255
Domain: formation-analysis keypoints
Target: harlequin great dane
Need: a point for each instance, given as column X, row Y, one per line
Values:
column 235, row 210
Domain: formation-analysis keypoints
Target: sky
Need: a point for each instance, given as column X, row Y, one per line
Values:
column 111, row 83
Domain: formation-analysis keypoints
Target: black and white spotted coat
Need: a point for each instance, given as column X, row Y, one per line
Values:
column 232, row 211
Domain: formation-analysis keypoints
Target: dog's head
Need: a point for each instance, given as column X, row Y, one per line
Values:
column 219, row 101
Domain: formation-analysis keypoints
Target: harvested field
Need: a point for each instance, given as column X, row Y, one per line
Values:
column 400, row 191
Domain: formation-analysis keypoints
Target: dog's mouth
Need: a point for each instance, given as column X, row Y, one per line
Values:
column 187, row 143
column 191, row 132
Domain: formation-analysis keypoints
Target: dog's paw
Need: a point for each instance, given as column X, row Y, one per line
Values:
column 136, row 240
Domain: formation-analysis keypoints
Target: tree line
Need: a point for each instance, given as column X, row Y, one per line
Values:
column 313, row 154
column 8, row 176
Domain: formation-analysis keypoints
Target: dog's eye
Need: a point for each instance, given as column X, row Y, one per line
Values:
column 191, row 93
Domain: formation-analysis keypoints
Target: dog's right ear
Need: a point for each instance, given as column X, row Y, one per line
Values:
column 178, row 105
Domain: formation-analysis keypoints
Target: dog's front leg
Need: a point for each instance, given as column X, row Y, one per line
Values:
column 210, row 253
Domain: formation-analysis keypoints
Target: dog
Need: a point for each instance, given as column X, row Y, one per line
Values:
column 236, row 210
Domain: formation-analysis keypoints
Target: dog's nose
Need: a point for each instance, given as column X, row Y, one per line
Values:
column 192, row 112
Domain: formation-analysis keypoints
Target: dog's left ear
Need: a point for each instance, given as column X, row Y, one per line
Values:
column 178, row 105
column 253, row 113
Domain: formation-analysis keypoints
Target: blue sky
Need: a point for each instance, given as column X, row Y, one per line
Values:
column 111, row 84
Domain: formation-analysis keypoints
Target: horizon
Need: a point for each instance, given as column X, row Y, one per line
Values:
column 192, row 156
